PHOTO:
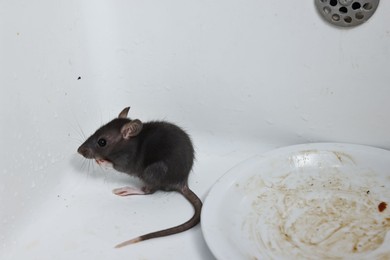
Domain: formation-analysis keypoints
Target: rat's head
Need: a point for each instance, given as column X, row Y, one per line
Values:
column 110, row 137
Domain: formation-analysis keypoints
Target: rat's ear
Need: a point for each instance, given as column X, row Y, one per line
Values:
column 131, row 129
column 124, row 112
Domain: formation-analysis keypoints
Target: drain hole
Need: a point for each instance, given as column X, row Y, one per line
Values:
column 356, row 6
column 359, row 16
column 327, row 9
column 348, row 19
column 343, row 10
column 367, row 6
column 336, row 17
column 333, row 2
column 323, row 1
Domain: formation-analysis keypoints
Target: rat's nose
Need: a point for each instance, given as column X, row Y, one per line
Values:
column 84, row 151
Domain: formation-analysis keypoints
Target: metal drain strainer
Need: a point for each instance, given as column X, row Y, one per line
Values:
column 346, row 13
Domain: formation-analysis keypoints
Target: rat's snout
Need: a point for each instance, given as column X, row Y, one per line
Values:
column 84, row 151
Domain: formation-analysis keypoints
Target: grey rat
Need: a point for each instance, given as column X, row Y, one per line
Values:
column 159, row 153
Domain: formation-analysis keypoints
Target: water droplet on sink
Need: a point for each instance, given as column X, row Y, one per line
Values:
column 305, row 118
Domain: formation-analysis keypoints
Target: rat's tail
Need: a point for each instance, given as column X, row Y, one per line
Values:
column 196, row 203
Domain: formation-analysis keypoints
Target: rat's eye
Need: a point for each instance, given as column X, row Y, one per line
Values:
column 102, row 142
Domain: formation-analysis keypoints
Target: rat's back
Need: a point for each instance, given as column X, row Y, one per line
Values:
column 161, row 141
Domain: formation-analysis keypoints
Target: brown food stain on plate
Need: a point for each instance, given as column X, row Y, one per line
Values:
column 382, row 206
column 317, row 216
column 343, row 157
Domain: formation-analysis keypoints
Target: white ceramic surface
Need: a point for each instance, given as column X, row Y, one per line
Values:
column 242, row 77
column 314, row 201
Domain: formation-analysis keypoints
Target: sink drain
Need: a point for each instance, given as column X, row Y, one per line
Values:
column 346, row 13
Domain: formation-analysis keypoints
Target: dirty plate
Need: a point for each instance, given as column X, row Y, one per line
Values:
column 311, row 201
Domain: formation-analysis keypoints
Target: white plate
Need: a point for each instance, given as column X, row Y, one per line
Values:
column 311, row 201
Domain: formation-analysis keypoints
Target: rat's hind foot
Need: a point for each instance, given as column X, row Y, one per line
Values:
column 126, row 191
